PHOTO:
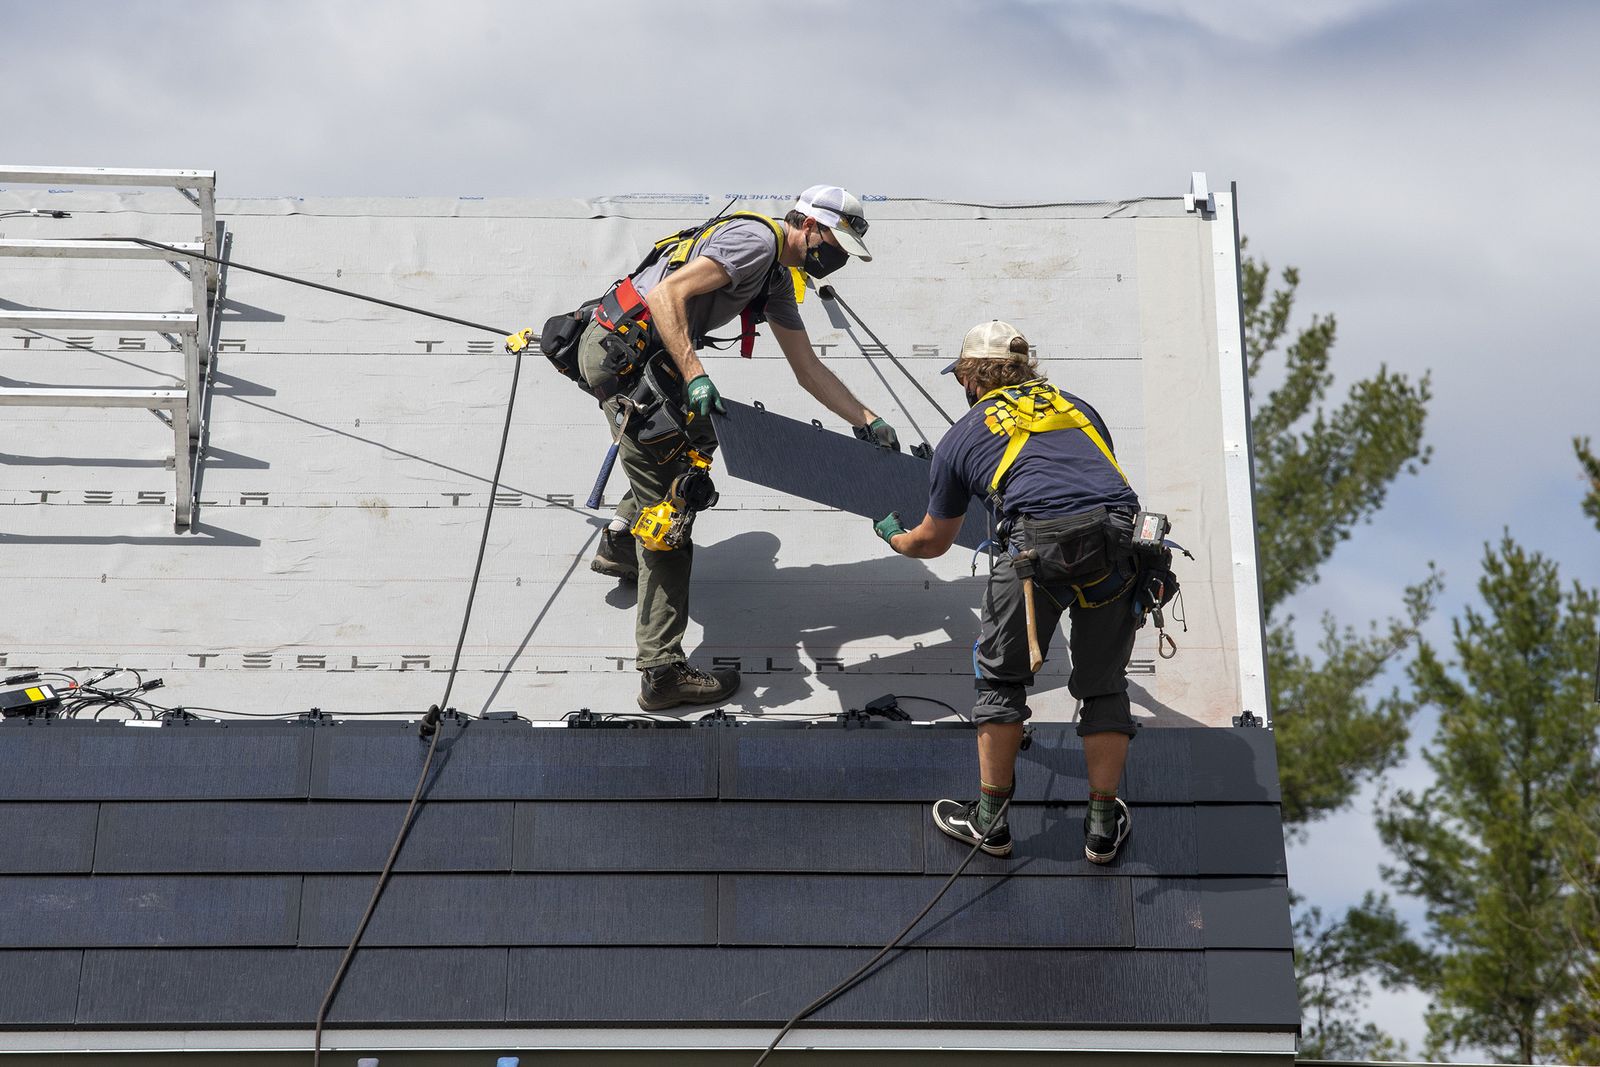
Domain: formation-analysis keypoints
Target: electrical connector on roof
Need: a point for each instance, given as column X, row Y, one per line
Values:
column 26, row 703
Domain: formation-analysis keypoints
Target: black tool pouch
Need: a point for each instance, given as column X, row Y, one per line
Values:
column 1089, row 551
column 658, row 424
column 559, row 341
column 1073, row 549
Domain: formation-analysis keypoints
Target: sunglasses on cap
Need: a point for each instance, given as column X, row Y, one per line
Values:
column 855, row 223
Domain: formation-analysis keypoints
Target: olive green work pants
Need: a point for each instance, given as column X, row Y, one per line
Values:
column 662, row 614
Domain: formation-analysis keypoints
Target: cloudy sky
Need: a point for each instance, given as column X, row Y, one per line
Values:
column 1428, row 164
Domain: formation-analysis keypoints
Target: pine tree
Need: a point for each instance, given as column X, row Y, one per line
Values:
column 1591, row 472
column 1577, row 1023
column 1490, row 846
column 1319, row 474
column 1335, row 964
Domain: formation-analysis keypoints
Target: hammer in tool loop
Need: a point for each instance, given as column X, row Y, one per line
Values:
column 1024, row 563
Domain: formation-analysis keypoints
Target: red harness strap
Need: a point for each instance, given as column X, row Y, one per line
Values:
column 747, row 333
column 621, row 302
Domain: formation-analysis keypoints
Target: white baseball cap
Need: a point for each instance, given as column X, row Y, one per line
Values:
column 841, row 213
column 989, row 340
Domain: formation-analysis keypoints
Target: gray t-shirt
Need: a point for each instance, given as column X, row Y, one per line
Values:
column 746, row 249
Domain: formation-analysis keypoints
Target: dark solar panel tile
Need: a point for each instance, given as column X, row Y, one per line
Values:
column 1211, row 913
column 1066, row 987
column 52, row 911
column 911, row 764
column 102, row 761
column 40, row 987
column 1246, row 988
column 838, row 471
column 709, row 985
column 1051, row 768
column 46, row 838
column 1049, row 840
column 1166, row 913
column 296, row 836
column 501, row 909
column 773, row 909
column 718, row 836
column 1246, row 913
column 208, row 987
column 1234, row 764
column 1239, row 839
column 511, row 761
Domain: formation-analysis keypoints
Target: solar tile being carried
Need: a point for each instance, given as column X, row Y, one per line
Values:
column 832, row 469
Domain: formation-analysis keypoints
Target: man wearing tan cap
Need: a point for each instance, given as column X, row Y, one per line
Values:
column 1044, row 461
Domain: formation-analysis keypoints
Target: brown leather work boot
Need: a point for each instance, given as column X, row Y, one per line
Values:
column 672, row 684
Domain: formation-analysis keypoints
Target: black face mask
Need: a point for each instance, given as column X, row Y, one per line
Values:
column 824, row 259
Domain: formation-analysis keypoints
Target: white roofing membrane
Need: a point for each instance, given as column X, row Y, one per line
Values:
column 351, row 447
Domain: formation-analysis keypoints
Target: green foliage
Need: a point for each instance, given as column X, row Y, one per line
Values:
column 1335, row 964
column 1489, row 847
column 1318, row 475
column 1591, row 472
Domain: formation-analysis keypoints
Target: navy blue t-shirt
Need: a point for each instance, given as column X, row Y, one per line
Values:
column 1057, row 473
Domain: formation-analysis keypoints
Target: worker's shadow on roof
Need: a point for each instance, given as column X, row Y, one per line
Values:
column 753, row 608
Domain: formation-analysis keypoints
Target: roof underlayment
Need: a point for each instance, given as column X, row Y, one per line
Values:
column 350, row 449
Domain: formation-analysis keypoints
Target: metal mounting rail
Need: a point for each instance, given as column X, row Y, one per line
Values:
column 199, row 187
column 185, row 404
column 175, row 401
column 69, row 249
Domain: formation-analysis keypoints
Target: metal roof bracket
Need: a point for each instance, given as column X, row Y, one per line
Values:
column 1199, row 197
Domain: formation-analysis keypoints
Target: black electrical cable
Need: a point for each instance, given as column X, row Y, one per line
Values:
column 817, row 1004
column 957, row 712
column 828, row 292
column 233, row 264
column 431, row 722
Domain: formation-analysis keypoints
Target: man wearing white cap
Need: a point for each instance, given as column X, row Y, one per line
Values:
column 735, row 267
column 1044, row 461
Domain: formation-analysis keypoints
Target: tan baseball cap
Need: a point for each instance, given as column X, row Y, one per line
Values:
column 989, row 340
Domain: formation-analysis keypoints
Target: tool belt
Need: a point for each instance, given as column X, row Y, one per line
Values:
column 1090, row 551
column 559, row 341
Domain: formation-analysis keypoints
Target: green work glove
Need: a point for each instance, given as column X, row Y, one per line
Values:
column 704, row 398
column 884, row 434
column 888, row 526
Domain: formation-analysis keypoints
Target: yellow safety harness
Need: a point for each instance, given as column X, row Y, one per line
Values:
column 1020, row 411
column 676, row 248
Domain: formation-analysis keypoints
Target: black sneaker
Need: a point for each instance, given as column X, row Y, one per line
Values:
column 960, row 821
column 1098, row 848
column 672, row 684
column 618, row 555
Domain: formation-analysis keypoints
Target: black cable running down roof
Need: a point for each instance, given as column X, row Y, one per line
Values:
column 430, row 724
column 233, row 264
column 817, row 1004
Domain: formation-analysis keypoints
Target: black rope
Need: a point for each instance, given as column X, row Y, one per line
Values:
column 817, row 1004
column 828, row 292
column 233, row 264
